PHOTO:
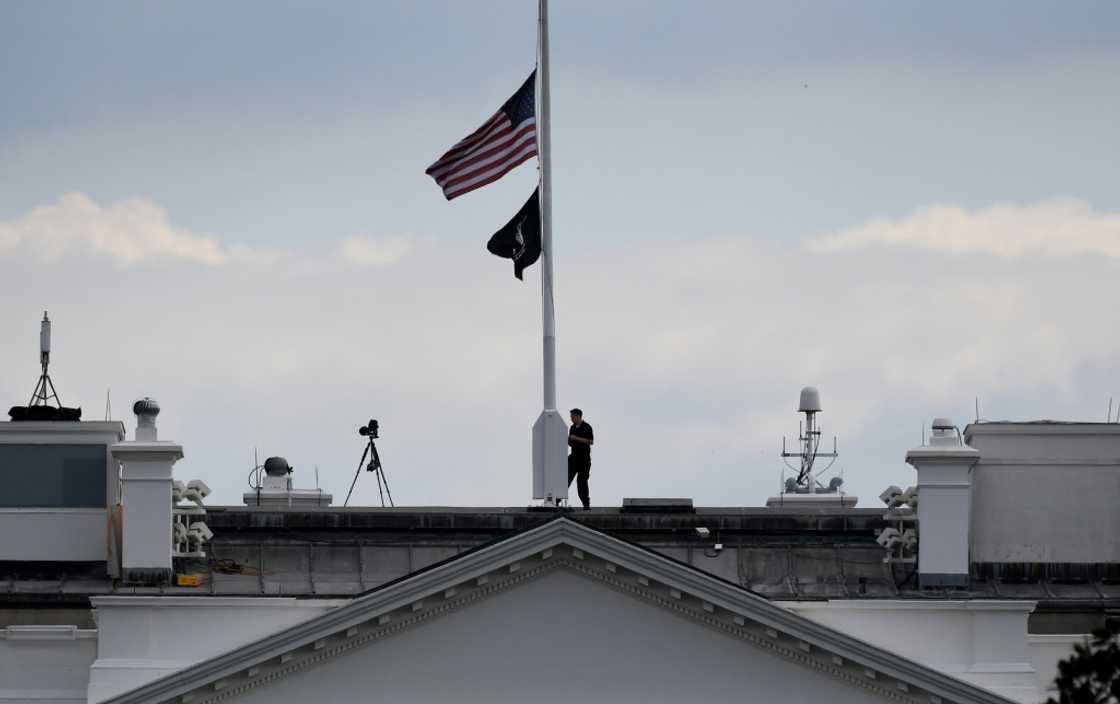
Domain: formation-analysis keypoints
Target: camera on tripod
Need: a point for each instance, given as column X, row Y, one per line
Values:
column 370, row 433
column 369, row 430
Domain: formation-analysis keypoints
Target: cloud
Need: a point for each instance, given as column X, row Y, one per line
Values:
column 1062, row 227
column 126, row 232
column 375, row 252
column 137, row 231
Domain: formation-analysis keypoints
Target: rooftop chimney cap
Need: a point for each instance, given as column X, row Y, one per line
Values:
column 146, row 407
column 277, row 467
column 943, row 423
column 810, row 400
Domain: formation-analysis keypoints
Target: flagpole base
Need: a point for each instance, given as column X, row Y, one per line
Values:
column 550, row 458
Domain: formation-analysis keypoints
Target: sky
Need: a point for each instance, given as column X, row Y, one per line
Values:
column 911, row 206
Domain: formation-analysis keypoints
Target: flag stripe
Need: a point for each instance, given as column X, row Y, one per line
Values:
column 481, row 159
column 468, row 142
column 498, row 141
column 501, row 134
column 490, row 165
column 490, row 179
column 483, row 173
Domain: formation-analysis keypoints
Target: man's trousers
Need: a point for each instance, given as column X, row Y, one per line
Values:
column 580, row 467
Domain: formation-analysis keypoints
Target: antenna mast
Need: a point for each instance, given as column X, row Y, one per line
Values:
column 805, row 488
column 809, row 443
column 44, row 390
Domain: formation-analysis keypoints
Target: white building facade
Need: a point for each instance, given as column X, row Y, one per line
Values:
column 302, row 603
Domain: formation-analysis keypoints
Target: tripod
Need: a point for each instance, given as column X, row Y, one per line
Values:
column 375, row 467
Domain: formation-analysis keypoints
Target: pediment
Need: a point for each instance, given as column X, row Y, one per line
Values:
column 545, row 598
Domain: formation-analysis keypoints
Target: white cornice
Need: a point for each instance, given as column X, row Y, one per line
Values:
column 202, row 601
column 1024, row 605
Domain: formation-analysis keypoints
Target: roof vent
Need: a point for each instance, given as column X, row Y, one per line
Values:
column 277, row 467
column 146, row 410
column 657, row 506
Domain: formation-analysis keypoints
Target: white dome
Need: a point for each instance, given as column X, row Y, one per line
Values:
column 810, row 400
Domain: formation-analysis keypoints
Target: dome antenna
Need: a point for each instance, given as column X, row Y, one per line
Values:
column 806, row 488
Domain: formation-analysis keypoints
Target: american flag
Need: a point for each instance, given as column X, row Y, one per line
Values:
column 493, row 150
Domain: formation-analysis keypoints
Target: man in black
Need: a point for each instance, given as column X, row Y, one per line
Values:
column 580, row 439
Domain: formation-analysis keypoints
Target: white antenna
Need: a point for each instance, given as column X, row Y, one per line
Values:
column 810, row 440
column 316, row 476
column 108, row 405
column 1109, row 410
column 40, row 396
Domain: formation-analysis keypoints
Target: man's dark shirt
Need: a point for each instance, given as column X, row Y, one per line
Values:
column 579, row 449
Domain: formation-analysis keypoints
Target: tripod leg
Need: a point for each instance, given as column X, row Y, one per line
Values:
column 375, row 461
column 356, row 473
column 386, row 480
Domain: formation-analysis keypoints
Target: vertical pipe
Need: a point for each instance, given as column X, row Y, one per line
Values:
column 548, row 312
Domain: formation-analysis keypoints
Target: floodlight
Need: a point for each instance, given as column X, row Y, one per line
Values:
column 177, row 489
column 909, row 539
column 180, row 532
column 702, row 531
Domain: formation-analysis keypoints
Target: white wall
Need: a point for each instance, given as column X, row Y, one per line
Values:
column 981, row 641
column 62, row 534
column 45, row 664
column 143, row 638
column 1044, row 652
column 1069, row 477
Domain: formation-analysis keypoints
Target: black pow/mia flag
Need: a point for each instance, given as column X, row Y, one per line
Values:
column 520, row 238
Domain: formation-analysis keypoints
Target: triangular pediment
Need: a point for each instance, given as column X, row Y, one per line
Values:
column 546, row 598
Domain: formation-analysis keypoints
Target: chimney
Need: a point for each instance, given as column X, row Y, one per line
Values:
column 146, row 499
column 945, row 488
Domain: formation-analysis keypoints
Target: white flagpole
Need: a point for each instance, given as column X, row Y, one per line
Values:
column 550, row 477
column 544, row 136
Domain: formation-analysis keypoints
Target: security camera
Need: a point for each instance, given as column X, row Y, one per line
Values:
column 200, row 532
column 702, row 531
column 177, row 489
column 890, row 496
column 910, row 497
column 196, row 491
column 888, row 538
